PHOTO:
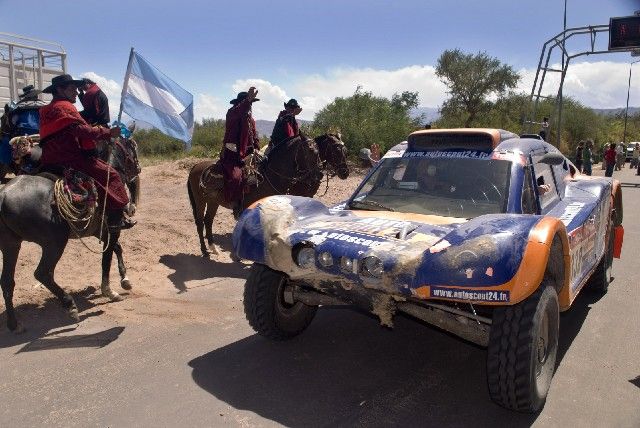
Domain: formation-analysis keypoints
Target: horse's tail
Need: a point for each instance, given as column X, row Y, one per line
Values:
column 192, row 199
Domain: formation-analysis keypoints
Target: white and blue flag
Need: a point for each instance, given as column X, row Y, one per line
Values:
column 150, row 96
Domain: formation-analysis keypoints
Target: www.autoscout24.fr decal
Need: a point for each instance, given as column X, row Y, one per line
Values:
column 469, row 295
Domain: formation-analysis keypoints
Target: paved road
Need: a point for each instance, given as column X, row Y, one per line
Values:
column 344, row 371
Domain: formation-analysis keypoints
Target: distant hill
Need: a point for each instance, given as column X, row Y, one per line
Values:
column 616, row 111
column 431, row 114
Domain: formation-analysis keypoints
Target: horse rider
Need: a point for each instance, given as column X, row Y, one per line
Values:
column 94, row 103
column 21, row 118
column 240, row 140
column 286, row 124
column 67, row 140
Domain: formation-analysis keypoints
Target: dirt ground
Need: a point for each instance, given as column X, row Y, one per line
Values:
column 162, row 255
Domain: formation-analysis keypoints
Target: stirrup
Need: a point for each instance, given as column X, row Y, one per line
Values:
column 124, row 223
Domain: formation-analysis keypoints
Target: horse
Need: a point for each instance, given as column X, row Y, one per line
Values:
column 28, row 213
column 295, row 166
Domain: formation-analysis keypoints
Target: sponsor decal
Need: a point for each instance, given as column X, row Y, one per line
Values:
column 338, row 208
column 472, row 154
column 369, row 225
column 570, row 212
column 318, row 236
column 472, row 295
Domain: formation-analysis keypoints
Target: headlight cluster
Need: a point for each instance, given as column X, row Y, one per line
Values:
column 304, row 255
column 372, row 266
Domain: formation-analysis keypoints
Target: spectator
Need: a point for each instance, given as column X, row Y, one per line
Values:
column 620, row 156
column 579, row 155
column 610, row 159
column 587, row 157
column 544, row 132
column 634, row 156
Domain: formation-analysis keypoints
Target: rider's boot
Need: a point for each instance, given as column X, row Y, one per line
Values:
column 116, row 220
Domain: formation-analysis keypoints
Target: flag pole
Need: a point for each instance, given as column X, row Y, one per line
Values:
column 125, row 84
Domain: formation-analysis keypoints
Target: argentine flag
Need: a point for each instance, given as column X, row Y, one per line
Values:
column 150, row 96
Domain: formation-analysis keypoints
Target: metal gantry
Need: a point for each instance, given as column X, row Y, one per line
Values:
column 559, row 42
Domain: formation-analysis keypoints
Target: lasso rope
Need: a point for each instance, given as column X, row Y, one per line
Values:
column 73, row 215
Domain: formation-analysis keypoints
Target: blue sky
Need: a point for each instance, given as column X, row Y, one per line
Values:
column 316, row 50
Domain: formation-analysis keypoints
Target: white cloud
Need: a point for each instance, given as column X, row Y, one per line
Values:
column 600, row 84
column 209, row 106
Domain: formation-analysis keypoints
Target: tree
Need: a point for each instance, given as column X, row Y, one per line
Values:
column 364, row 119
column 472, row 80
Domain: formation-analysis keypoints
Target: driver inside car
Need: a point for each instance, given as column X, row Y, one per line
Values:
column 431, row 181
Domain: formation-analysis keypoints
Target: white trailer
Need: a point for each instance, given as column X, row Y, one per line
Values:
column 27, row 61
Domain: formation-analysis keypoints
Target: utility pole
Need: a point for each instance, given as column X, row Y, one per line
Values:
column 626, row 110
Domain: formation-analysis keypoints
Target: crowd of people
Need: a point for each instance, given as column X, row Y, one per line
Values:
column 613, row 157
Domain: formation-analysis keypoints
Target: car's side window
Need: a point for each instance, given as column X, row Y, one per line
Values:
column 563, row 174
column 546, row 186
column 528, row 199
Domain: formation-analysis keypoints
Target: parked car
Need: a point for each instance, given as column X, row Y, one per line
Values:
column 476, row 231
column 629, row 151
column 534, row 136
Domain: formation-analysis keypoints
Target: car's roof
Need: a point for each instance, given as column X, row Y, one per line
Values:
column 524, row 145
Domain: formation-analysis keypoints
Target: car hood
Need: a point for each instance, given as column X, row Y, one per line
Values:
column 415, row 249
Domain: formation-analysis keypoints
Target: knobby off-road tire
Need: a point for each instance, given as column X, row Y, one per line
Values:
column 523, row 345
column 267, row 312
column 601, row 276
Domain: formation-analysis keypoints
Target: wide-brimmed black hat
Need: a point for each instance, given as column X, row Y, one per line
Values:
column 292, row 103
column 29, row 91
column 62, row 80
column 241, row 96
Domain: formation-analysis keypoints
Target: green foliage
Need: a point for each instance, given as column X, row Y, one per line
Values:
column 206, row 142
column 472, row 80
column 364, row 119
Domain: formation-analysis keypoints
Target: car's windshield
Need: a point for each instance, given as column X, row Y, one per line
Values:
column 454, row 187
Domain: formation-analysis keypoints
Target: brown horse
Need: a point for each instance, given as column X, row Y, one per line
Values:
column 293, row 167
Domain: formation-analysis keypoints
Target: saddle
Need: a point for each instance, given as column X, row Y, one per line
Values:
column 212, row 177
column 76, row 199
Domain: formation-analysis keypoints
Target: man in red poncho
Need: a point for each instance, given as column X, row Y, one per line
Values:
column 286, row 125
column 240, row 140
column 68, row 141
column 94, row 103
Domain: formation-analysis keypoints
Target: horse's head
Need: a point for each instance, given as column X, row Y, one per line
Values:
column 333, row 154
column 124, row 157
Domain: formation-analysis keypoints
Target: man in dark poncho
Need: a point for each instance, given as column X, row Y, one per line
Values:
column 94, row 103
column 240, row 140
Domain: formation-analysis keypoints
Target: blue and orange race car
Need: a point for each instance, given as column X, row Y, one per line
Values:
column 476, row 231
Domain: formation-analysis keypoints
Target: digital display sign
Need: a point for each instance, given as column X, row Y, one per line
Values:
column 624, row 33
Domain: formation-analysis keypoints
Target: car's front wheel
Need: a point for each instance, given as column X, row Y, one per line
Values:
column 523, row 345
column 266, row 309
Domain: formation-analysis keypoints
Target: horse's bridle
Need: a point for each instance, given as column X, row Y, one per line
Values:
column 334, row 142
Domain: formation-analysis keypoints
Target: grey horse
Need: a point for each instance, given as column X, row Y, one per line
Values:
column 28, row 213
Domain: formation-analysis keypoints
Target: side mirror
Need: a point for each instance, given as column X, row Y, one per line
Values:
column 552, row 159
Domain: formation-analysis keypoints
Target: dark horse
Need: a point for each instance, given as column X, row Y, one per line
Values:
column 28, row 213
column 295, row 167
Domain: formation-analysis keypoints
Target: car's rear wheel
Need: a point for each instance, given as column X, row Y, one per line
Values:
column 267, row 311
column 523, row 345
